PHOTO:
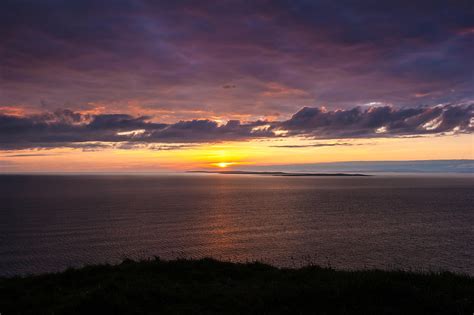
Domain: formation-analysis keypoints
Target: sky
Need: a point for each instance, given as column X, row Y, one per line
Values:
column 177, row 85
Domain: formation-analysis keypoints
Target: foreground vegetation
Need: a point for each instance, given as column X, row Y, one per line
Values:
column 210, row 286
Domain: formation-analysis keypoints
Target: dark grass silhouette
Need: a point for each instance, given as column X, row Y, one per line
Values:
column 210, row 286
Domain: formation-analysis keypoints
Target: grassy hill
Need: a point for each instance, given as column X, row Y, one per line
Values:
column 210, row 286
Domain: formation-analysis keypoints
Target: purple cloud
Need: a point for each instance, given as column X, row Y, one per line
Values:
column 177, row 56
column 65, row 128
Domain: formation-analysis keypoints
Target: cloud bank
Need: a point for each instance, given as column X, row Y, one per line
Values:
column 66, row 128
column 235, row 57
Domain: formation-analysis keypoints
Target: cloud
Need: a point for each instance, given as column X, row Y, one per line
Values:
column 29, row 155
column 384, row 121
column 65, row 128
column 284, row 54
column 151, row 146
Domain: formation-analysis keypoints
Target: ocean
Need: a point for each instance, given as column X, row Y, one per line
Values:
column 51, row 222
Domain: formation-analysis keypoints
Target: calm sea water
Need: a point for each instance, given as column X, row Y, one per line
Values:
column 49, row 223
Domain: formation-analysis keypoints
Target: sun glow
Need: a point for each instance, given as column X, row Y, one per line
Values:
column 223, row 164
column 224, row 156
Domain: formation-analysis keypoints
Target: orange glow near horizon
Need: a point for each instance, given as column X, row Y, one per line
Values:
column 237, row 155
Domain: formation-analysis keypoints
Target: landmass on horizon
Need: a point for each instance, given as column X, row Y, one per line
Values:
column 236, row 172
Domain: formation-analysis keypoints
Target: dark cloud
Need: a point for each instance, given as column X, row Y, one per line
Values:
column 382, row 121
column 66, row 128
column 174, row 55
column 151, row 146
column 29, row 155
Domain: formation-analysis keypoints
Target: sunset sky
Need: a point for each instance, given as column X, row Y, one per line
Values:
column 177, row 85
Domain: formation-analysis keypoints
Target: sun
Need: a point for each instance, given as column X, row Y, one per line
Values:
column 223, row 164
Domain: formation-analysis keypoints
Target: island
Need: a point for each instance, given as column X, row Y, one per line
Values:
column 280, row 173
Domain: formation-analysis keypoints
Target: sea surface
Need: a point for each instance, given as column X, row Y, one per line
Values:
column 50, row 223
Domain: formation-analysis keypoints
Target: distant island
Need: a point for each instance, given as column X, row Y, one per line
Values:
column 276, row 173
